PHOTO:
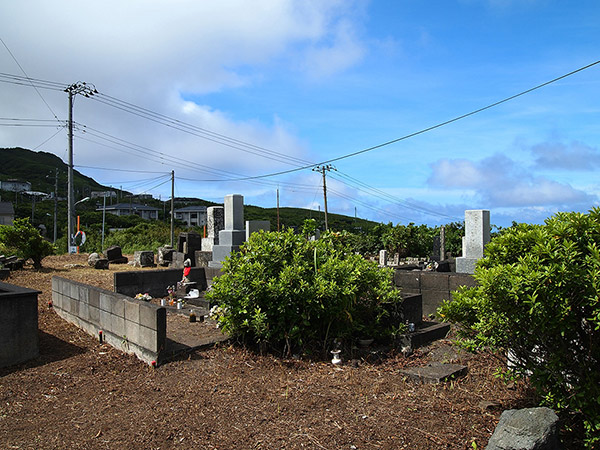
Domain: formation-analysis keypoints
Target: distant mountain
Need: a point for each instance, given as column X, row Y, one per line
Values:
column 39, row 169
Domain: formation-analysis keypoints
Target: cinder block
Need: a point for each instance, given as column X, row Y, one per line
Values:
column 94, row 315
column 57, row 299
column 117, row 306
column 148, row 316
column 148, row 339
column 84, row 311
column 132, row 311
column 105, row 302
column 73, row 290
column 56, row 287
column 117, row 325
column 105, row 320
column 84, row 294
column 132, row 331
column 434, row 281
column 94, row 298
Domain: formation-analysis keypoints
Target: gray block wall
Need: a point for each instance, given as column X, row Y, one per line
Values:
column 18, row 324
column 434, row 287
column 133, row 326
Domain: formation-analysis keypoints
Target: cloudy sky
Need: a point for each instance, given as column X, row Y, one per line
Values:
column 225, row 93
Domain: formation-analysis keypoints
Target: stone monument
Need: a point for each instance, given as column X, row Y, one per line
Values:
column 215, row 222
column 477, row 235
column 234, row 234
column 252, row 226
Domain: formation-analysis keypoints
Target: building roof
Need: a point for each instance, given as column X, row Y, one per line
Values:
column 6, row 208
column 191, row 209
column 132, row 206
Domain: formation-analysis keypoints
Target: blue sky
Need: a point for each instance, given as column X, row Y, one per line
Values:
column 316, row 80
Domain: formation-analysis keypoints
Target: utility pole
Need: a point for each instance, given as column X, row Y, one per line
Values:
column 55, row 202
column 73, row 90
column 172, row 207
column 322, row 169
column 277, row 208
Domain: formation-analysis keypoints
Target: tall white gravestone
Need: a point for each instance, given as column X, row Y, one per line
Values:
column 477, row 235
column 234, row 234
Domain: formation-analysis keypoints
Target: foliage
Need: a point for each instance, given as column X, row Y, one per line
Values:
column 25, row 241
column 295, row 294
column 538, row 295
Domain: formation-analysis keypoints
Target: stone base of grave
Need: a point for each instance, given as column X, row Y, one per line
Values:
column 220, row 252
column 465, row 264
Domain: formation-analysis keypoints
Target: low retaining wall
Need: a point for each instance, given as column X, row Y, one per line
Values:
column 18, row 324
column 131, row 325
column 155, row 282
column 434, row 287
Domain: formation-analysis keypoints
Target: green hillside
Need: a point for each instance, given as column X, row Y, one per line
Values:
column 39, row 169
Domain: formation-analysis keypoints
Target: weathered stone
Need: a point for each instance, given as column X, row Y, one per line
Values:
column 101, row 263
column 526, row 429
column 165, row 255
column 92, row 258
column 477, row 235
column 435, row 373
column 143, row 259
column 113, row 253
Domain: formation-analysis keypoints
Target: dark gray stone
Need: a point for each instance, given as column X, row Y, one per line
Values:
column 113, row 253
column 18, row 324
column 143, row 259
column 526, row 429
column 435, row 373
column 101, row 263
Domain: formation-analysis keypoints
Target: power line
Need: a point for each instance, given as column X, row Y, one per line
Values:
column 27, row 76
column 425, row 130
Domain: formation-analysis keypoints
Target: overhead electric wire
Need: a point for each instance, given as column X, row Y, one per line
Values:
column 425, row 130
column 119, row 170
column 27, row 76
column 197, row 131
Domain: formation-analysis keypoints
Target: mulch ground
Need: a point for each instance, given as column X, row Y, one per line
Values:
column 82, row 395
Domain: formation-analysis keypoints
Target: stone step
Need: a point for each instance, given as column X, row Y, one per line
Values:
column 436, row 373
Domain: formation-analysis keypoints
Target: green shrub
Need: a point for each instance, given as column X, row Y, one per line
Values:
column 23, row 240
column 538, row 294
column 296, row 295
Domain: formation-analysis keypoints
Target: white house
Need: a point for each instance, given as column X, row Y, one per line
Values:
column 128, row 209
column 193, row 216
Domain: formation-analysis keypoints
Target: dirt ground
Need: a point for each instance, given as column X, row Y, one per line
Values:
column 80, row 394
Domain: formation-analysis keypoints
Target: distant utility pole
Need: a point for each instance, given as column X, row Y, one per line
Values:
column 172, row 207
column 322, row 169
column 73, row 90
column 277, row 208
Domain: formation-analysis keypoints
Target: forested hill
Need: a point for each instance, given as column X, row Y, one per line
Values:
column 39, row 169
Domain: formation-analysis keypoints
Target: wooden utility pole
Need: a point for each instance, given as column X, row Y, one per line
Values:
column 172, row 207
column 322, row 169
column 73, row 90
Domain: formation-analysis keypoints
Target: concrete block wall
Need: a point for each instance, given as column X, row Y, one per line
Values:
column 155, row 282
column 133, row 326
column 18, row 324
column 434, row 287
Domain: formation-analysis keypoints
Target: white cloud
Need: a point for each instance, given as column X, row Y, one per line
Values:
column 501, row 182
column 573, row 156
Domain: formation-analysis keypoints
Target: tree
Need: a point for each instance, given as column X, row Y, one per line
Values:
column 25, row 241
column 538, row 296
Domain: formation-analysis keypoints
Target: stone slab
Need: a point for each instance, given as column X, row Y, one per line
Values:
column 435, row 373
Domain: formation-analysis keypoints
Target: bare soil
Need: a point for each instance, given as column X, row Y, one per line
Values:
column 80, row 394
